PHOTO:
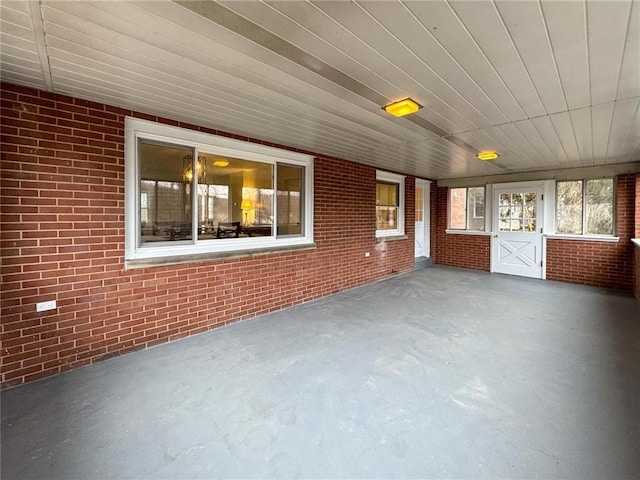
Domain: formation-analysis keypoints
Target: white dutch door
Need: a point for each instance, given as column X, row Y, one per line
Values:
column 517, row 231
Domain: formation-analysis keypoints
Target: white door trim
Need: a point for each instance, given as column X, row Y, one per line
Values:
column 426, row 209
column 540, row 214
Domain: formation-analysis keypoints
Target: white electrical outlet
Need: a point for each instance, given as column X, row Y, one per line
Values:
column 44, row 306
column 367, row 254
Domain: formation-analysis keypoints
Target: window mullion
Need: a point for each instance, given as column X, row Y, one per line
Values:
column 274, row 196
column 194, row 197
column 466, row 209
column 584, row 207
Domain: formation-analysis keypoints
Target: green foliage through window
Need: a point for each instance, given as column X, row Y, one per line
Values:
column 585, row 207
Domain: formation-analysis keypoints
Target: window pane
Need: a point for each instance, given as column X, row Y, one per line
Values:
column 475, row 209
column 569, row 207
column 290, row 181
column 387, row 203
column 599, row 206
column 458, row 205
column 419, row 204
column 387, row 194
column 165, row 193
column 386, row 218
column 235, row 198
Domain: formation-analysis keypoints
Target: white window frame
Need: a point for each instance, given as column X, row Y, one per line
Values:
column 487, row 213
column 389, row 177
column 136, row 129
column 605, row 237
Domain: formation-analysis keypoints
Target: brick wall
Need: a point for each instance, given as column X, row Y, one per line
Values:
column 636, row 269
column 62, row 219
column 637, row 207
column 600, row 264
column 458, row 250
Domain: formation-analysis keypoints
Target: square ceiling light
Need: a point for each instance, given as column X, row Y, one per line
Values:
column 402, row 107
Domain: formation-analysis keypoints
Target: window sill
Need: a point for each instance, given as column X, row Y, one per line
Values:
column 390, row 238
column 209, row 256
column 586, row 238
column 467, row 232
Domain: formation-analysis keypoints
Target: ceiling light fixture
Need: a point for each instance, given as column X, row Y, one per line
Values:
column 487, row 155
column 221, row 163
column 402, row 107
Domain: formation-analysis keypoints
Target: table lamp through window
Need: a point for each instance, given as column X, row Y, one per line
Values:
column 246, row 205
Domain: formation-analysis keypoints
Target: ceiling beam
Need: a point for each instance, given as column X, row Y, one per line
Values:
column 35, row 9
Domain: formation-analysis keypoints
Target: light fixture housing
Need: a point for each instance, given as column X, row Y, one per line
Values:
column 221, row 163
column 402, row 107
column 487, row 155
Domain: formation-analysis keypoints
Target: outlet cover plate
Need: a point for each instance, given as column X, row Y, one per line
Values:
column 44, row 306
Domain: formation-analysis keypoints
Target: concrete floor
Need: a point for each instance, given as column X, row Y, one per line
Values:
column 441, row 373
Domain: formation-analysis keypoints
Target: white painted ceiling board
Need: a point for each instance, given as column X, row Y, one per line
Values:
column 601, row 123
column 299, row 73
column 436, row 110
column 527, row 28
column 489, row 31
column 445, row 26
column 563, row 125
column 278, row 23
column 314, row 75
column 362, row 26
column 217, row 83
column 629, row 141
column 210, row 99
column 531, row 155
column 529, row 131
column 211, row 75
column 547, row 131
column 417, row 39
column 630, row 71
column 621, row 129
column 567, row 26
column 607, row 27
column 583, row 131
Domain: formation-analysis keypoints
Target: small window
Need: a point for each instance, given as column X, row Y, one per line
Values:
column 585, row 207
column 466, row 208
column 193, row 193
column 389, row 204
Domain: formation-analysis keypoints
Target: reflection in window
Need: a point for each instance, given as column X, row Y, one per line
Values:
column 387, row 203
column 191, row 193
column 466, row 208
column 165, row 196
column 585, row 207
column 419, row 204
column 235, row 197
column 290, row 181
column 517, row 212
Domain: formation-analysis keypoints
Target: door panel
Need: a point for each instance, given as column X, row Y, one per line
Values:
column 517, row 238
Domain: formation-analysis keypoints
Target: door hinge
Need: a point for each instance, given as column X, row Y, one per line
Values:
column 541, row 230
column 540, row 262
column 542, row 197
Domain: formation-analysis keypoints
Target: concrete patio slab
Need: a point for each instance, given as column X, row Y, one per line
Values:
column 440, row 373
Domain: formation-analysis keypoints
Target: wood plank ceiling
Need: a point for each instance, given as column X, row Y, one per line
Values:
column 548, row 84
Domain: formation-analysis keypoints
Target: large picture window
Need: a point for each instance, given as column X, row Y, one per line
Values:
column 585, row 207
column 389, row 204
column 191, row 193
column 466, row 208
